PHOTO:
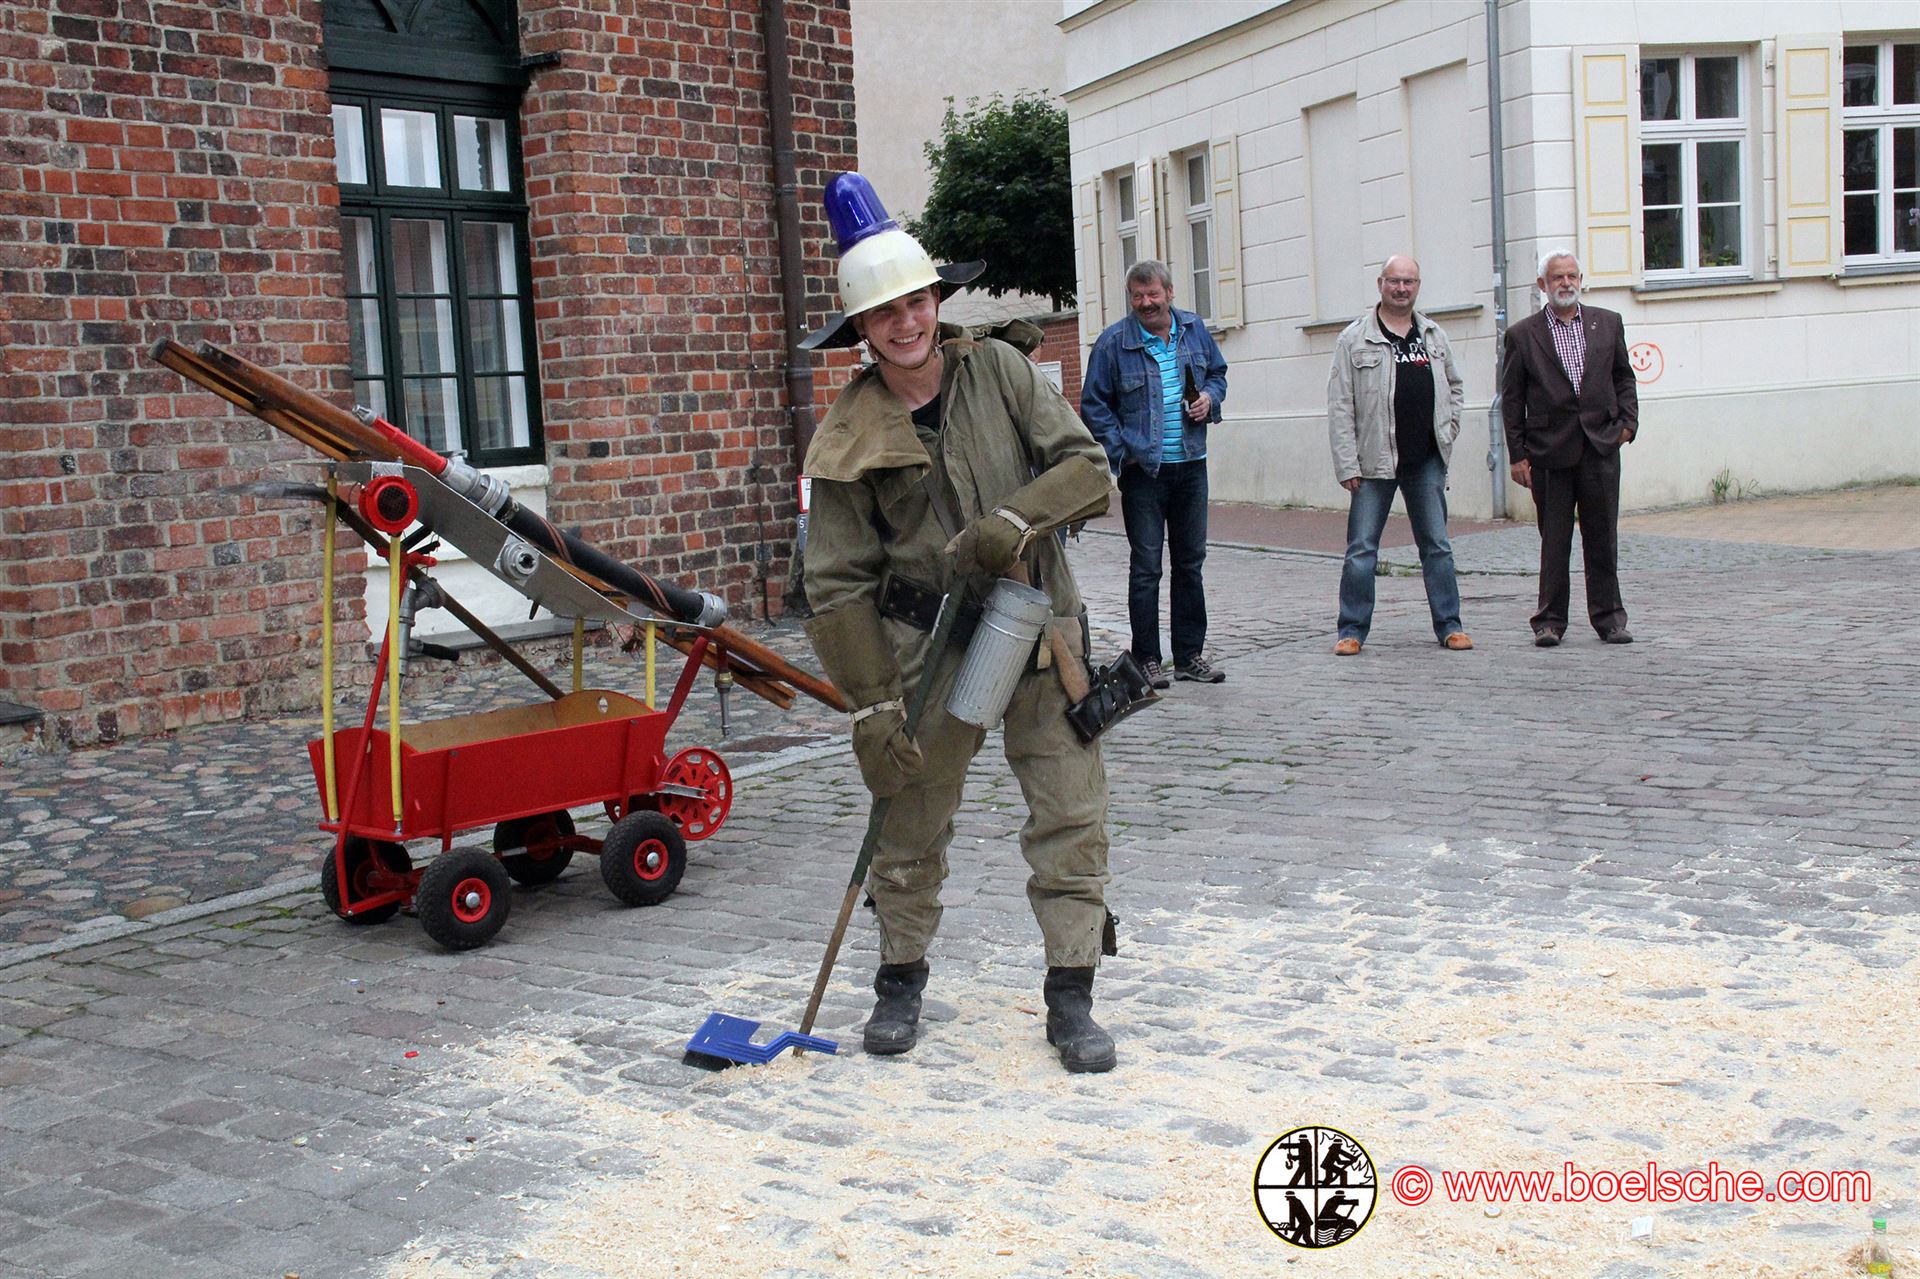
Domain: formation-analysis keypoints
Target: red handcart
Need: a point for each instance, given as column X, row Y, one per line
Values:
column 517, row 770
column 521, row 769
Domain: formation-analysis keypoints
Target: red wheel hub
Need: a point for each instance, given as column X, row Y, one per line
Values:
column 650, row 859
column 698, row 769
column 472, row 899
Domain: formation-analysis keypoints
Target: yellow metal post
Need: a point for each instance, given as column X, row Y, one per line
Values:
column 396, row 570
column 651, row 637
column 332, row 796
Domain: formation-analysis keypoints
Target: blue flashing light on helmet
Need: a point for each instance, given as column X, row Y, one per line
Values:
column 854, row 211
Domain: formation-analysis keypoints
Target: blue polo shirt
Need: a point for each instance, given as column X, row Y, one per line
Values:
column 1173, row 424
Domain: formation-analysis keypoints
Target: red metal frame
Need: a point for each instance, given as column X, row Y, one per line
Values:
column 363, row 762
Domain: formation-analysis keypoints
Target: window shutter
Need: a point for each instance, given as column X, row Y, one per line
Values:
column 1167, row 210
column 1146, row 212
column 1228, row 312
column 1606, row 156
column 1087, row 220
column 1807, row 133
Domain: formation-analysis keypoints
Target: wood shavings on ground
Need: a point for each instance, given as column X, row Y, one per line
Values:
column 976, row 1157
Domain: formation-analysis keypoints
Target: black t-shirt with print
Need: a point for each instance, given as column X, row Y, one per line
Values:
column 1412, row 398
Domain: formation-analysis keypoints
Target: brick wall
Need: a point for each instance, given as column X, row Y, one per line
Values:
column 1062, row 343
column 161, row 177
column 169, row 173
column 656, row 263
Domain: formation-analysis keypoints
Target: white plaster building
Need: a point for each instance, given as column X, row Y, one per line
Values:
column 909, row 58
column 1740, row 179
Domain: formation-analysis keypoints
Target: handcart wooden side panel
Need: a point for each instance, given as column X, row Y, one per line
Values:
column 591, row 747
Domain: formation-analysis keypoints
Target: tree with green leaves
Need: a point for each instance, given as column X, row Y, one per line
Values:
column 1002, row 193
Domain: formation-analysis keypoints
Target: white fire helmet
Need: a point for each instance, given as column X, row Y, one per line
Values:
column 878, row 260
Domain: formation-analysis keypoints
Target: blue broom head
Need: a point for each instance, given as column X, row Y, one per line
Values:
column 731, row 1039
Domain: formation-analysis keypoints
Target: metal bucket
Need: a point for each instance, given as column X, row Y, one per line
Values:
column 1000, row 653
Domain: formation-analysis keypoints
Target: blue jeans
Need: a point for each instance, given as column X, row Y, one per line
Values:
column 1425, row 489
column 1166, row 511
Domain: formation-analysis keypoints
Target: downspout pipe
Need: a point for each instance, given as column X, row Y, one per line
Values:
column 797, row 367
column 1496, row 162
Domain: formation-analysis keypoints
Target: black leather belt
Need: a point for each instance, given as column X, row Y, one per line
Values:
column 905, row 600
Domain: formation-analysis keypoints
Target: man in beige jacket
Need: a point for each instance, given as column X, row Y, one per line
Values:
column 1392, row 429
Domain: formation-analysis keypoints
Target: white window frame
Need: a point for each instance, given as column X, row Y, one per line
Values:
column 1197, row 222
column 1126, row 210
column 1883, row 117
column 1688, row 133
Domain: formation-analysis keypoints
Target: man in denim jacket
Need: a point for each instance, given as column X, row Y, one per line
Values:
column 1154, row 383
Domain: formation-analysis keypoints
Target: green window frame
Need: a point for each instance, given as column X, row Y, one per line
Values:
column 434, row 250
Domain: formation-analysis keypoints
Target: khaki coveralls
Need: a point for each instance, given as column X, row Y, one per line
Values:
column 1002, row 423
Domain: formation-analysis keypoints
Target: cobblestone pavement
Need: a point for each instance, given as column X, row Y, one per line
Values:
column 1517, row 551
column 1498, row 909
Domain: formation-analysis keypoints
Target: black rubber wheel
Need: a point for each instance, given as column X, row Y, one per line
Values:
column 544, row 858
column 643, row 858
column 364, row 858
column 463, row 898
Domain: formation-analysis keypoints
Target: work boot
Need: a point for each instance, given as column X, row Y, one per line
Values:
column 1084, row 1047
column 895, row 1023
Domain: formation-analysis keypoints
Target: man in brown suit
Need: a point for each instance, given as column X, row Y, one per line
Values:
column 1570, row 402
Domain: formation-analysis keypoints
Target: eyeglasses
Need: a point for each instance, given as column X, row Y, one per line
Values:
column 1401, row 281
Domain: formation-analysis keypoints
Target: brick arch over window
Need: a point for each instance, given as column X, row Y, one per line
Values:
column 471, row 40
column 478, row 21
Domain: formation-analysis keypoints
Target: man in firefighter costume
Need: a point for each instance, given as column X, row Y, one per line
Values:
column 944, row 465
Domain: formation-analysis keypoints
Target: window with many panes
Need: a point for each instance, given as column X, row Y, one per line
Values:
column 1693, row 164
column 434, row 238
column 1198, row 244
column 1881, row 151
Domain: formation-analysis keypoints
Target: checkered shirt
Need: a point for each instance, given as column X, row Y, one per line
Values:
column 1570, row 340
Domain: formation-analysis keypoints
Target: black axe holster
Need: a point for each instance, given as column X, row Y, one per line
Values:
column 1117, row 690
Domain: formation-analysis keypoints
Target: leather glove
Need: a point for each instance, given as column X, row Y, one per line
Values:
column 990, row 545
column 852, row 645
column 888, row 758
column 1075, row 488
column 851, row 642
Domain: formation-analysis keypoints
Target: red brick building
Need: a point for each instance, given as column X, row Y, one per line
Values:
column 541, row 232
column 1062, row 345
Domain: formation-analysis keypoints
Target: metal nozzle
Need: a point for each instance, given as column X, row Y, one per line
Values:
column 713, row 610
column 517, row 560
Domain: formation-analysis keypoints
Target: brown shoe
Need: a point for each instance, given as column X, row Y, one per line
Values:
column 1348, row 647
column 1458, row 642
